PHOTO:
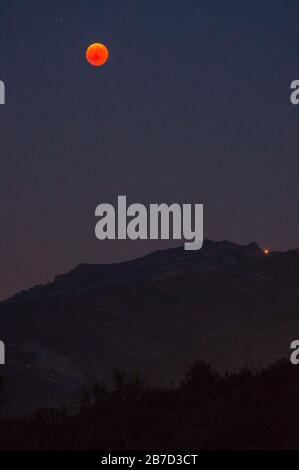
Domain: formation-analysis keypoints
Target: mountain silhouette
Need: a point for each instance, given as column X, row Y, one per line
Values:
column 228, row 304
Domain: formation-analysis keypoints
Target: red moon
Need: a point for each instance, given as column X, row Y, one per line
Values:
column 97, row 54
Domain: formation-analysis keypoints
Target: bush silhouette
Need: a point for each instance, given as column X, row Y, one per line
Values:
column 243, row 410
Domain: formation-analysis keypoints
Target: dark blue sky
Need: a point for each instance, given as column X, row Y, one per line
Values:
column 193, row 106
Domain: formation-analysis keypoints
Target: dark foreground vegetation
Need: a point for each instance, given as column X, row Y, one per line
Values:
column 246, row 410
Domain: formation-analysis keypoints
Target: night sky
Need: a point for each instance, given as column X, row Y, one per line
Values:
column 193, row 106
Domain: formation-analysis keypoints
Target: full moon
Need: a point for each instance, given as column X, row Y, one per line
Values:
column 97, row 54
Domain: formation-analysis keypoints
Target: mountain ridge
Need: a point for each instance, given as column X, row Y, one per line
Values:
column 123, row 270
column 228, row 304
